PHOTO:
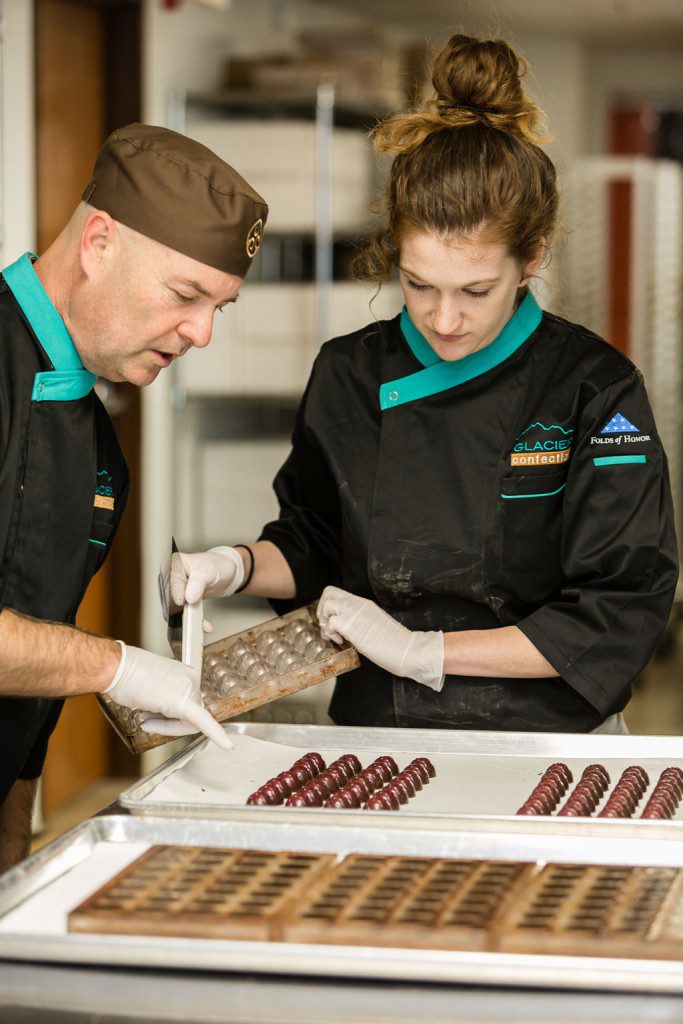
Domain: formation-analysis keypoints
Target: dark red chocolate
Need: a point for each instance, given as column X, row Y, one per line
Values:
column 401, row 793
column 383, row 770
column 407, row 782
column 258, row 799
column 316, row 760
column 431, row 770
column 414, row 775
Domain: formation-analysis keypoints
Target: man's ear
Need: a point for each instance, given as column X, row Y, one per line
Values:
column 530, row 269
column 98, row 241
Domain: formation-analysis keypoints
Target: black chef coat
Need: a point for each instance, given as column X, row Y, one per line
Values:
column 524, row 484
column 63, row 487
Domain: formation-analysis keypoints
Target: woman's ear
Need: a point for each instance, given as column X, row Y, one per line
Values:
column 530, row 269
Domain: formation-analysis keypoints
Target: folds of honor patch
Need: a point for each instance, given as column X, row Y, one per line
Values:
column 619, row 425
column 619, row 431
column 104, row 494
column 542, row 444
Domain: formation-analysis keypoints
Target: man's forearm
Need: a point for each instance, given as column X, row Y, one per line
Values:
column 47, row 659
column 504, row 652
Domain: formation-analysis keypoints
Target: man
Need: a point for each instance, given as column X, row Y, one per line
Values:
column 164, row 237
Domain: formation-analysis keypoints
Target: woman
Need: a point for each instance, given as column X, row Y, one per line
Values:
column 477, row 487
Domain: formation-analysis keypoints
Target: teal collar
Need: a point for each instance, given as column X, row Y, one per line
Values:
column 69, row 380
column 440, row 375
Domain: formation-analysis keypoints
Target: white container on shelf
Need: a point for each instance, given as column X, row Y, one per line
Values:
column 236, row 483
column 278, row 158
column 266, row 343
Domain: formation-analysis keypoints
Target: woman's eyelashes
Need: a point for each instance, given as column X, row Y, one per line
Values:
column 466, row 291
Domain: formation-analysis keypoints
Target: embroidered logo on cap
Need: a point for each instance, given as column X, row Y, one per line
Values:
column 619, row 425
column 254, row 238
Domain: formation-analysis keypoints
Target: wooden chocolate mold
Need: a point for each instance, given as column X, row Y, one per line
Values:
column 409, row 902
column 572, row 909
column 342, row 659
column 413, row 902
column 200, row 892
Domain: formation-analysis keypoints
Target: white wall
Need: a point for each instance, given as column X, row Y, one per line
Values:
column 17, row 203
column 557, row 81
column 648, row 75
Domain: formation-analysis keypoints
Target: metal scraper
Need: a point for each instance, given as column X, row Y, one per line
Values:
column 185, row 632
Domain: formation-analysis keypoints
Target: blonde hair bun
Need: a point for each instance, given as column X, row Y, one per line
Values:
column 469, row 160
column 475, row 82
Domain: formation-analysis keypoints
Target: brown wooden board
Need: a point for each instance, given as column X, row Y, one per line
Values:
column 588, row 910
column 393, row 901
column 200, row 892
column 412, row 902
column 343, row 659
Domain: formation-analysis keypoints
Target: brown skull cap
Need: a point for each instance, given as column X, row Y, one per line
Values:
column 176, row 191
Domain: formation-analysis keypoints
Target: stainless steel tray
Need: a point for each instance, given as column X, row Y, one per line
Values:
column 480, row 775
column 36, row 896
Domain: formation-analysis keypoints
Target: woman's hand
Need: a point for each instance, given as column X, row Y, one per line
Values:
column 187, row 578
column 403, row 652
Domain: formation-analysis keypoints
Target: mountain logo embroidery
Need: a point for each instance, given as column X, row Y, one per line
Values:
column 104, row 494
column 542, row 444
column 619, row 425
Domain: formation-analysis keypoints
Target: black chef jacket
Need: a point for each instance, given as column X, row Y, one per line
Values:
column 524, row 484
column 63, row 487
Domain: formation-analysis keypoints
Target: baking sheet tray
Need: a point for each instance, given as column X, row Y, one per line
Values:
column 480, row 775
column 36, row 897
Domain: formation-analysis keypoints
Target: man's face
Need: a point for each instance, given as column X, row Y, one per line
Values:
column 142, row 305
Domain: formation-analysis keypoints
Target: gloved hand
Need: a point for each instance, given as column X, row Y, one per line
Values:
column 217, row 572
column 167, row 688
column 411, row 654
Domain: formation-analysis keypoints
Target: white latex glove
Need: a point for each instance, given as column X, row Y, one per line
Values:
column 403, row 652
column 217, row 572
column 167, row 688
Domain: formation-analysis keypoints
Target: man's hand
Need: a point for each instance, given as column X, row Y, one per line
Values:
column 217, row 572
column 166, row 688
column 403, row 652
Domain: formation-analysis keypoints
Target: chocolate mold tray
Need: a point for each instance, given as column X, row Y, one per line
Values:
column 200, row 892
column 249, row 669
column 397, row 901
column 476, row 891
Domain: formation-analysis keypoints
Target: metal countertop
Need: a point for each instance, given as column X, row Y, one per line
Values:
column 51, row 994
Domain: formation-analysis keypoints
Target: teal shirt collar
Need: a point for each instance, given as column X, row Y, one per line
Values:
column 69, row 380
column 439, row 375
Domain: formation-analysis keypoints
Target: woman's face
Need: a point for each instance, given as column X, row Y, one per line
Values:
column 460, row 292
